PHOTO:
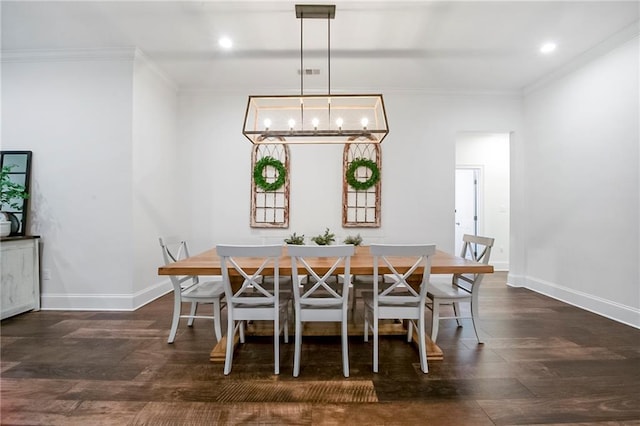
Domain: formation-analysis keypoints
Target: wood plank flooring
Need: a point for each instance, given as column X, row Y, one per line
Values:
column 543, row 362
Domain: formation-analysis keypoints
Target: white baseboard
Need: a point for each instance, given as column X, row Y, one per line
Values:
column 616, row 311
column 516, row 280
column 103, row 302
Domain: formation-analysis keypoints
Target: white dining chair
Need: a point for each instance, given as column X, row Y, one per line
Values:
column 321, row 300
column 252, row 300
column 399, row 299
column 189, row 289
column 461, row 288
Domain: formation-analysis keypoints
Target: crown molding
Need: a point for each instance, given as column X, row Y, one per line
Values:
column 356, row 90
column 61, row 55
column 118, row 54
column 141, row 57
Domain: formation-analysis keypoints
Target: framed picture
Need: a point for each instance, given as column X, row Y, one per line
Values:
column 17, row 209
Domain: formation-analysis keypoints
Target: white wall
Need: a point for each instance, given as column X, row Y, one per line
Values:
column 76, row 118
column 105, row 175
column 158, row 176
column 581, row 180
column 418, row 168
column 490, row 152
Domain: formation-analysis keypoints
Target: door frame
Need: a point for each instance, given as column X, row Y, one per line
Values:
column 479, row 196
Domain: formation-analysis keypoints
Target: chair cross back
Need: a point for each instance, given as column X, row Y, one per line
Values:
column 399, row 280
column 385, row 253
column 169, row 257
column 180, row 252
column 320, row 282
column 470, row 251
column 321, row 292
column 250, row 283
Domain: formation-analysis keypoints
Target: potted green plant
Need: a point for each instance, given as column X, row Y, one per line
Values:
column 356, row 241
column 12, row 195
column 297, row 240
column 325, row 239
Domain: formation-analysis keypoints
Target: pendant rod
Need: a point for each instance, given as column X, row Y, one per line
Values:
column 301, row 71
column 301, row 60
column 329, row 53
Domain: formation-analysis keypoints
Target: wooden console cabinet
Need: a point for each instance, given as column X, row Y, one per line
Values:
column 19, row 275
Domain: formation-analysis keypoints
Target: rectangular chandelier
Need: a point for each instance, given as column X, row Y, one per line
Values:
column 316, row 119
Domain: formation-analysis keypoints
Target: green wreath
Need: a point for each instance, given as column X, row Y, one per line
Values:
column 261, row 181
column 351, row 174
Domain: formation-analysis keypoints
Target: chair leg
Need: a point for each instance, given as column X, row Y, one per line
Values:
column 422, row 344
column 177, row 306
column 230, row 338
column 456, row 313
column 353, row 302
column 192, row 313
column 241, row 330
column 345, row 345
column 286, row 324
column 474, row 319
column 216, row 319
column 366, row 324
column 298, row 344
column 375, row 343
column 276, row 343
column 409, row 331
column 435, row 320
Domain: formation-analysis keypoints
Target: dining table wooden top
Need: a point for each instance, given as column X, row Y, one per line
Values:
column 208, row 263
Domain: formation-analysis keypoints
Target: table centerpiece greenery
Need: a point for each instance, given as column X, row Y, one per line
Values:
column 325, row 239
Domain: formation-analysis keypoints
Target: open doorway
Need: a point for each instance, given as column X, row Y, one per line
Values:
column 467, row 201
column 482, row 191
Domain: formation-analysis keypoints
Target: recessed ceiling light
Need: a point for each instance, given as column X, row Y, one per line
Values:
column 225, row 42
column 548, row 47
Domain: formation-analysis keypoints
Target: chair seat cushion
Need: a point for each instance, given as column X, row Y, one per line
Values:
column 367, row 280
column 208, row 289
column 402, row 299
column 446, row 291
column 283, row 301
column 319, row 300
column 284, row 281
column 322, row 306
column 283, row 295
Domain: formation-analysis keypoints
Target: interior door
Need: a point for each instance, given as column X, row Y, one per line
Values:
column 466, row 214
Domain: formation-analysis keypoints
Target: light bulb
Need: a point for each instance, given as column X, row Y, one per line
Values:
column 315, row 123
column 364, row 122
column 292, row 124
column 225, row 42
column 548, row 47
column 267, row 123
column 339, row 123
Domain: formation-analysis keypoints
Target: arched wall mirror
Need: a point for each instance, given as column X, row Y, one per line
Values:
column 19, row 163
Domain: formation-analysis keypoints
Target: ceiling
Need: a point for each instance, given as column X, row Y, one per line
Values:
column 392, row 45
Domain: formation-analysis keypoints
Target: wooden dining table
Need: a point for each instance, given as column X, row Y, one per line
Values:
column 208, row 263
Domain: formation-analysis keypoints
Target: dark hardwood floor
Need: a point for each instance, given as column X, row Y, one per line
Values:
column 543, row 362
